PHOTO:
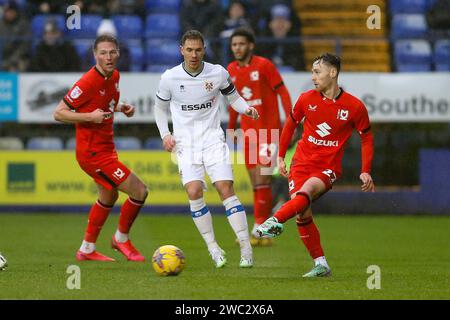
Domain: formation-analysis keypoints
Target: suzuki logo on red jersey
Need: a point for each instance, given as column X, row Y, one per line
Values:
column 323, row 129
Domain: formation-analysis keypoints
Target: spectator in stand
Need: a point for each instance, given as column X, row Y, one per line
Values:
column 236, row 17
column 284, row 50
column 54, row 53
column 35, row 7
column 14, row 39
column 439, row 15
column 205, row 16
column 107, row 27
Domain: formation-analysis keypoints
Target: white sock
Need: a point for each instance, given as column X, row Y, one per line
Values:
column 121, row 237
column 238, row 220
column 87, row 247
column 203, row 220
column 321, row 260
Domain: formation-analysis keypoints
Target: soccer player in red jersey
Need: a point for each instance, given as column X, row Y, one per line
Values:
column 259, row 83
column 329, row 116
column 90, row 105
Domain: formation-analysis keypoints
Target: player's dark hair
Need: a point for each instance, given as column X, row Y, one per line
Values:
column 192, row 35
column 244, row 32
column 330, row 59
column 105, row 38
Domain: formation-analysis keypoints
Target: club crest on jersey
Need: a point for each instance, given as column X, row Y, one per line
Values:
column 182, row 88
column 209, row 86
column 254, row 75
column 342, row 114
column 76, row 92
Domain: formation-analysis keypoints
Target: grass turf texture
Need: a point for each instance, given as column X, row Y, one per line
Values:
column 412, row 253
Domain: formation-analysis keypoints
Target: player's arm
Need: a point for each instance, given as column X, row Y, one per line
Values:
column 64, row 113
column 286, row 101
column 126, row 108
column 240, row 105
column 367, row 151
column 162, row 122
column 277, row 84
column 292, row 120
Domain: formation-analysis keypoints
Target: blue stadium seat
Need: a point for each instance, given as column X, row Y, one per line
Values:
column 408, row 6
column 154, row 143
column 128, row 26
column 136, row 54
column 163, row 51
column 88, row 27
column 45, row 143
column 412, row 55
column 38, row 23
column 158, row 68
column 127, row 143
column 163, row 5
column 82, row 46
column 162, row 25
column 71, row 143
column 409, row 26
column 442, row 55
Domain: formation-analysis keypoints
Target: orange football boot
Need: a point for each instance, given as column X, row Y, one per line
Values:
column 94, row 256
column 127, row 249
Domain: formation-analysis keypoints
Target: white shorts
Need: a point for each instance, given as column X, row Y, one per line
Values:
column 215, row 160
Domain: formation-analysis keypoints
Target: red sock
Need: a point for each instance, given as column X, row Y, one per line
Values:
column 262, row 202
column 97, row 217
column 293, row 207
column 310, row 236
column 128, row 214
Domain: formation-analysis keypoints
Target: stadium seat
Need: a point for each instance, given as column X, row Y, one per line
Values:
column 11, row 143
column 82, row 46
column 158, row 68
column 136, row 54
column 45, row 143
column 153, row 143
column 128, row 26
column 127, row 143
column 409, row 26
column 163, row 51
column 38, row 23
column 71, row 143
column 162, row 25
column 88, row 27
column 412, row 55
column 408, row 6
column 441, row 55
column 163, row 5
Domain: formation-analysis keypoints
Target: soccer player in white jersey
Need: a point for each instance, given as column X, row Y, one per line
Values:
column 192, row 90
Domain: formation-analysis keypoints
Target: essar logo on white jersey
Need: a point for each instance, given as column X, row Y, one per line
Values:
column 323, row 129
column 247, row 93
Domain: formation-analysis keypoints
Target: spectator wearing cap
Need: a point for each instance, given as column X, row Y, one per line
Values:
column 54, row 53
column 284, row 49
column 14, row 38
column 107, row 27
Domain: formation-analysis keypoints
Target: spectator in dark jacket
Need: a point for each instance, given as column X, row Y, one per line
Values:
column 54, row 53
column 439, row 15
column 14, row 39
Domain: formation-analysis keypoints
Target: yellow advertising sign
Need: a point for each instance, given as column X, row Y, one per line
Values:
column 54, row 177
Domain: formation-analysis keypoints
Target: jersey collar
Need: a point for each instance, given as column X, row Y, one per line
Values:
column 341, row 91
column 193, row 75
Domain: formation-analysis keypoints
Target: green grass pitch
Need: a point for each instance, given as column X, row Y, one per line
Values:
column 412, row 253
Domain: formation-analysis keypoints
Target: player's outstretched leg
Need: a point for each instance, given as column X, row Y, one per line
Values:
column 238, row 220
column 97, row 217
column 203, row 221
column 120, row 240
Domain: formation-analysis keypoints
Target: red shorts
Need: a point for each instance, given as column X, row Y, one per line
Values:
column 298, row 175
column 109, row 173
column 262, row 153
